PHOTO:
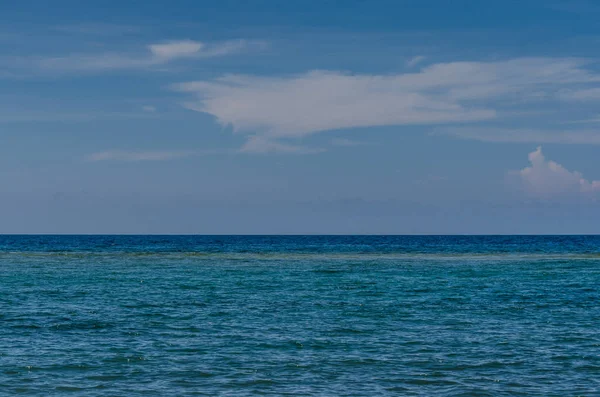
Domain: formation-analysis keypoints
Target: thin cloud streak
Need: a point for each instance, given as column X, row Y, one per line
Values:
column 522, row 135
column 414, row 61
column 157, row 54
column 150, row 155
column 254, row 145
column 343, row 142
column 133, row 156
column 262, row 145
column 581, row 95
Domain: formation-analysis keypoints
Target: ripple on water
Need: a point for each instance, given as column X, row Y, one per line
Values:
column 313, row 316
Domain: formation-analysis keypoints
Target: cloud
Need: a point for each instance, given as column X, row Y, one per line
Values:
column 523, row 135
column 588, row 94
column 175, row 49
column 346, row 142
column 254, row 145
column 414, row 61
column 120, row 155
column 546, row 178
column 262, row 145
column 316, row 101
column 592, row 120
column 320, row 101
column 155, row 155
column 157, row 54
column 149, row 108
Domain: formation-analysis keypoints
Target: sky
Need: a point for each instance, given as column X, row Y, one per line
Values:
column 312, row 117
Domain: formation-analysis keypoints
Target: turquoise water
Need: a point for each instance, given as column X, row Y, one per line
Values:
column 301, row 316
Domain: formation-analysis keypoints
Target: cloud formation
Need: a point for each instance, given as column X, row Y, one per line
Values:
column 263, row 145
column 157, row 54
column 346, row 142
column 414, row 61
column 456, row 92
column 175, row 49
column 524, row 135
column 582, row 95
column 121, row 155
column 546, row 178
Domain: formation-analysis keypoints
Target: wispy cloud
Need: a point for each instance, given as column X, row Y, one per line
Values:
column 263, row 145
column 347, row 142
column 444, row 93
column 523, row 135
column 585, row 121
column 587, row 94
column 546, row 178
column 157, row 54
column 165, row 52
column 253, row 147
column 122, row 155
column 414, row 61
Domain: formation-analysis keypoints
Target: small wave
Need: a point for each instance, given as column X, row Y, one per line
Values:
column 295, row 256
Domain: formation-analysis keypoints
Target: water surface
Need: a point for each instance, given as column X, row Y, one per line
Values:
column 302, row 316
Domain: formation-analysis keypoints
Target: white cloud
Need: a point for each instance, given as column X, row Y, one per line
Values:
column 262, row 145
column 254, row 145
column 585, row 121
column 149, row 108
column 154, row 155
column 546, row 178
column 346, row 142
column 157, row 54
column 121, row 155
column 175, row 49
column 524, row 135
column 414, row 61
column 321, row 101
column 588, row 94
column 457, row 92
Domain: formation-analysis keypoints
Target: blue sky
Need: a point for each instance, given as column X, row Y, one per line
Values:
column 299, row 117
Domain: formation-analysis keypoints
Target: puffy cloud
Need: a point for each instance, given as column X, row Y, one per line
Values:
column 546, row 178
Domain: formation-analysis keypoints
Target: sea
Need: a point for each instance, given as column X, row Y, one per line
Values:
column 299, row 315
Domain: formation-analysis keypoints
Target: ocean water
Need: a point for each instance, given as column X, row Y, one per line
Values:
column 299, row 316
